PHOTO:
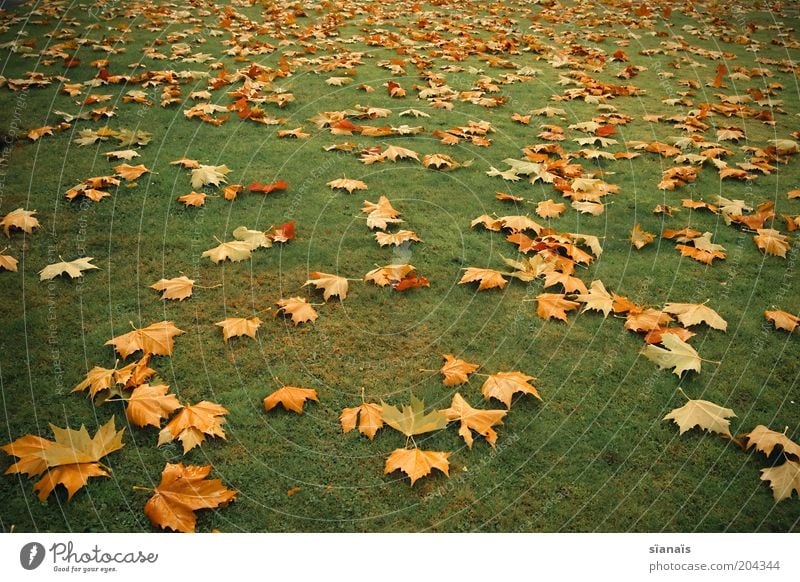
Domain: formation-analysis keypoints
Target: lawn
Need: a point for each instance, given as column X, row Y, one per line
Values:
column 595, row 453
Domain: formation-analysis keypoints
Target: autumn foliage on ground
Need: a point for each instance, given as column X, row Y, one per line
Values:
column 400, row 266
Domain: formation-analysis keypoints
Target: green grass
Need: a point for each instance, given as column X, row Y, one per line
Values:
column 593, row 456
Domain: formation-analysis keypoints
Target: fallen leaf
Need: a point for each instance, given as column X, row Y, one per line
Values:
column 694, row 314
column 389, row 275
column 416, row 463
column 347, row 184
column 69, row 460
column 369, row 418
column 182, row 491
column 488, row 278
column 783, row 320
column 765, row 440
column 332, row 285
column 678, row 355
column 156, row 339
column 195, row 199
column 300, row 310
column 481, row 421
column 178, row 288
column 640, row 238
column 193, row 423
column 72, row 268
column 380, row 214
column 783, row 479
column 129, row 172
column 255, row 238
column 21, row 219
column 149, row 405
column 550, row 209
column 412, row 419
column 397, row 238
column 646, row 320
column 8, row 262
column 235, row 251
column 703, row 414
column 291, row 397
column 503, row 385
column 208, row 175
column 554, row 306
column 238, row 326
column 456, row 371
column 772, row 242
column 597, row 299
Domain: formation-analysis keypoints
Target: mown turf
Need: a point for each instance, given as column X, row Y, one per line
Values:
column 593, row 456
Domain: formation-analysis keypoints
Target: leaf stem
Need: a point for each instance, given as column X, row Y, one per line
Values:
column 139, row 488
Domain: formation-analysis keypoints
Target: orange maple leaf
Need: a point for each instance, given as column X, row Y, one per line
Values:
column 291, row 397
column 554, row 306
column 368, row 415
column 503, row 385
column 156, row 339
column 192, row 423
column 456, row 371
column 182, row 491
column 416, row 463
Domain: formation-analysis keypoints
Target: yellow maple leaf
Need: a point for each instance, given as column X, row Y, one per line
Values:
column 783, row 319
column 772, row 242
column 503, row 385
column 368, row 416
column 641, row 238
column 696, row 313
column 456, row 371
column 72, row 268
column 597, row 299
column 550, row 209
column 347, row 184
column 237, row 326
column 333, row 285
column 291, row 397
column 182, row 491
column 765, row 440
column 70, row 459
column 129, row 172
column 195, row 199
column 380, row 214
column 703, row 414
column 488, row 278
column 396, row 238
column 675, row 354
column 193, row 423
column 554, row 306
column 8, row 262
column 149, row 405
column 784, row 479
column 208, row 175
column 481, row 421
column 389, row 275
column 416, row 463
column 411, row 419
column 300, row 310
column 235, row 251
column 156, row 339
column 178, row 288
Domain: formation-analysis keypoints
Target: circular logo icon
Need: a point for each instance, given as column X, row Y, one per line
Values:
column 31, row 555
